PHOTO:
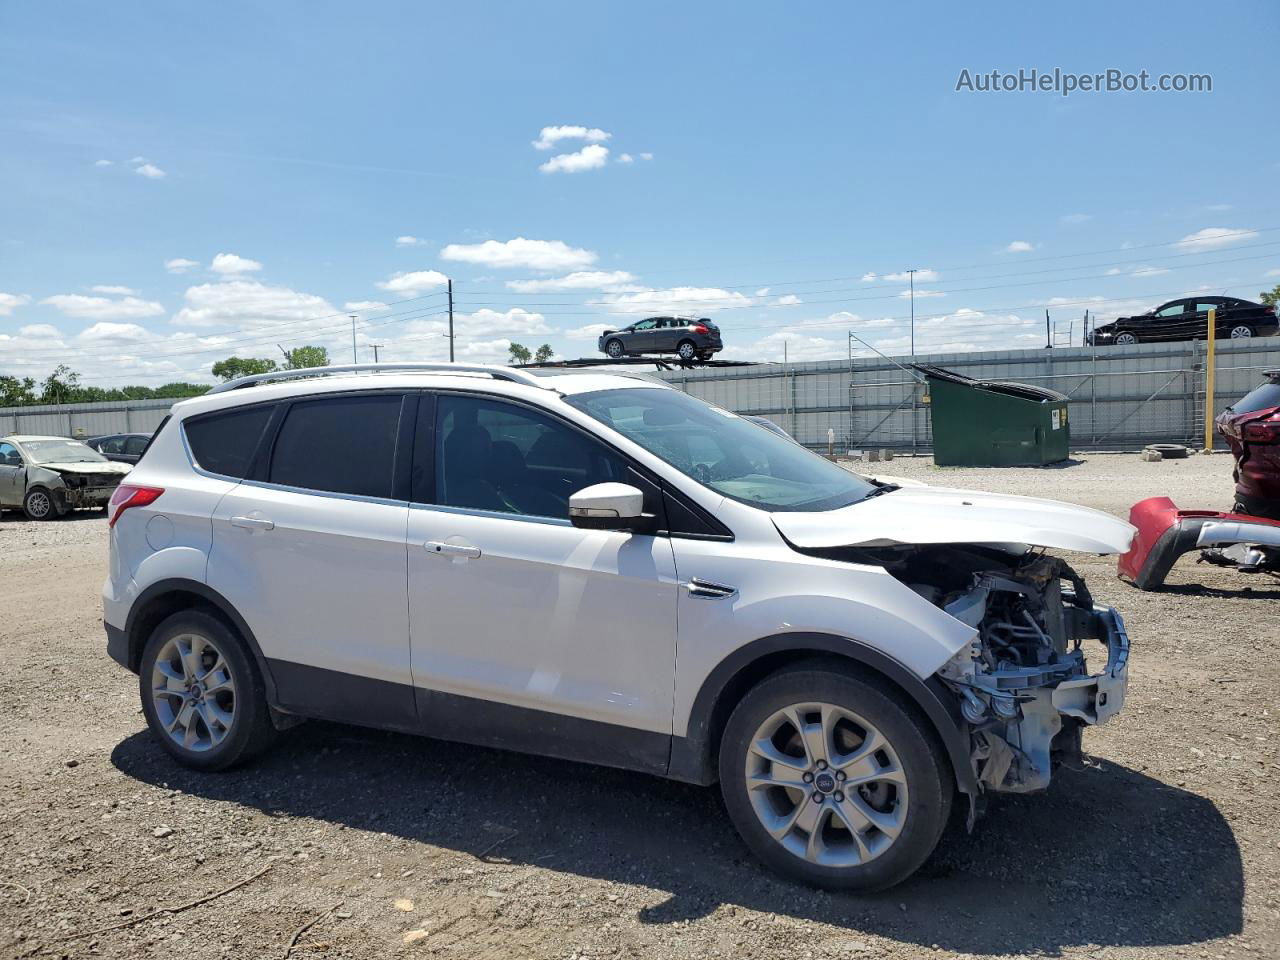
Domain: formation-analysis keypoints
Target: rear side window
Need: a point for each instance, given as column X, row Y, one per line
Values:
column 135, row 446
column 1260, row 398
column 339, row 445
column 224, row 443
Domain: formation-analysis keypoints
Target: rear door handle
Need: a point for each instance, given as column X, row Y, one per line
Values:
column 443, row 549
column 252, row 523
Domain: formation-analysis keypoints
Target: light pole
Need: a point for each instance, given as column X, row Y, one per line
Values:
column 451, row 320
column 353, row 339
column 911, row 276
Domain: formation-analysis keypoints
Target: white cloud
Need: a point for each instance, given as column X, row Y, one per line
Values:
column 789, row 300
column 229, row 263
column 113, row 331
column 1019, row 246
column 625, row 158
column 1269, row 273
column 248, row 304
column 922, row 276
column 677, row 300
column 413, row 283
column 589, row 157
column 1076, row 218
column 102, row 163
column 762, row 292
column 408, row 241
column 138, row 160
column 1211, row 238
column 868, row 277
column 795, row 343
column 103, row 308
column 513, row 321
column 1219, row 207
column 610, row 281
column 646, row 156
column 365, row 306
column 150, row 171
column 11, row 301
column 519, row 252
column 179, row 265
column 1148, row 271
column 591, row 331
column 906, row 294
column 115, row 291
column 39, row 330
column 550, row 136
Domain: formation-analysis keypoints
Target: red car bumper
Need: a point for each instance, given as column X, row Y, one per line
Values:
column 1166, row 533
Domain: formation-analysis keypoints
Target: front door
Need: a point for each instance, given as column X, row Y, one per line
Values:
column 13, row 474
column 528, row 632
column 311, row 551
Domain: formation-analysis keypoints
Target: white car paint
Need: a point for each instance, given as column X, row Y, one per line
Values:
column 942, row 515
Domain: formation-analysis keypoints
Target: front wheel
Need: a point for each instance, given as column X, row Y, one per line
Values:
column 831, row 780
column 1241, row 331
column 202, row 694
column 1127, row 339
column 613, row 348
column 38, row 505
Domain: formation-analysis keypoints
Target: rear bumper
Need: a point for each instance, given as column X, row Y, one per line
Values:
column 1165, row 533
column 118, row 645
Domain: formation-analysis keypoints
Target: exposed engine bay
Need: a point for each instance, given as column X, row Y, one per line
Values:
column 1023, row 683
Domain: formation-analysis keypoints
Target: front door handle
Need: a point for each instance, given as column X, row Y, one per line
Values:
column 252, row 523
column 443, row 549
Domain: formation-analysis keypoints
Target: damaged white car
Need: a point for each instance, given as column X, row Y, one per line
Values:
column 596, row 567
column 47, row 477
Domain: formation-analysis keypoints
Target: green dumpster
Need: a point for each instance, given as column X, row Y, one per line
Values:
column 994, row 423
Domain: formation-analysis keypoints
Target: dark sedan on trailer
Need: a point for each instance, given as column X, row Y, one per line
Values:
column 1188, row 319
column 687, row 338
column 121, row 447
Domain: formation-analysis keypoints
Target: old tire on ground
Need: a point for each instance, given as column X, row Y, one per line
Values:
column 202, row 694
column 687, row 350
column 1169, row 451
column 38, row 505
column 813, row 731
column 614, row 348
column 1126, row 339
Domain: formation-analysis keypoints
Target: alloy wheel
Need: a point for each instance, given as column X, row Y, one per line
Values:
column 1240, row 332
column 687, row 351
column 826, row 784
column 39, row 504
column 614, row 349
column 1126, row 339
column 194, row 692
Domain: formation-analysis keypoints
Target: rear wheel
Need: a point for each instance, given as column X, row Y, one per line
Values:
column 687, row 350
column 202, row 694
column 1241, row 331
column 38, row 505
column 1126, row 339
column 832, row 780
column 613, row 348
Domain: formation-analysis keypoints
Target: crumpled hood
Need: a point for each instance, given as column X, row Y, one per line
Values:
column 942, row 515
column 109, row 467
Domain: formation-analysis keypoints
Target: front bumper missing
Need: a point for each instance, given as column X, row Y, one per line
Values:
column 1097, row 698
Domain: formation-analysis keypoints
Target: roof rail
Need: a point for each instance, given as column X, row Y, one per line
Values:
column 498, row 373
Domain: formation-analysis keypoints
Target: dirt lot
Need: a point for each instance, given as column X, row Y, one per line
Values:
column 1166, row 844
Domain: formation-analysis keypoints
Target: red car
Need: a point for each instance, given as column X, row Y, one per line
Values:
column 1252, row 429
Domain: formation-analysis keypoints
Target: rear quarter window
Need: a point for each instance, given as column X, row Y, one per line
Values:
column 224, row 443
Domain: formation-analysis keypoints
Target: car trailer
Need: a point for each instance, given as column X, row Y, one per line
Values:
column 662, row 363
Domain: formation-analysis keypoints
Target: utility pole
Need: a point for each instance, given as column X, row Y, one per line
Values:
column 451, row 320
column 375, row 351
column 1048, row 337
column 911, row 275
column 353, row 339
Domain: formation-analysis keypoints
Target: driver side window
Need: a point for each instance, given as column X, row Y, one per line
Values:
column 9, row 455
column 1173, row 310
column 503, row 457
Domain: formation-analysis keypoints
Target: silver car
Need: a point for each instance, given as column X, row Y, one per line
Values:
column 50, row 476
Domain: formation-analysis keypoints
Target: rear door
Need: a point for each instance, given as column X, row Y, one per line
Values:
column 310, row 549
column 1173, row 321
column 566, row 635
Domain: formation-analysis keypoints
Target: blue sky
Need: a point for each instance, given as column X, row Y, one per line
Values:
column 184, row 182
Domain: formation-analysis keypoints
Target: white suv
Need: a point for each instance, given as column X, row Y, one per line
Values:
column 602, row 568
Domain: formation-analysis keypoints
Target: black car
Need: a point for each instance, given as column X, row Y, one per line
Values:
column 1188, row 319
column 688, row 338
column 121, row 447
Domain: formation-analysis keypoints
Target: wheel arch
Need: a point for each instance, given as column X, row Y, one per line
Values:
column 166, row 597
column 693, row 757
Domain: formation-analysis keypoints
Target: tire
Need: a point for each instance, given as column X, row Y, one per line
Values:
column 614, row 349
column 1241, row 331
column 38, row 504
column 1126, row 339
column 687, row 350
column 203, row 740
column 1169, row 451
column 908, row 751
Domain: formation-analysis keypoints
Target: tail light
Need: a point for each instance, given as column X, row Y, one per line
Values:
column 127, row 495
column 1261, row 431
column 700, row 328
column 1269, row 309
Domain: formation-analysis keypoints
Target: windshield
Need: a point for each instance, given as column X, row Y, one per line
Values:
column 723, row 451
column 61, row 451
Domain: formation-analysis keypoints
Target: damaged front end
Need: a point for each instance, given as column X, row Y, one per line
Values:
column 1023, row 682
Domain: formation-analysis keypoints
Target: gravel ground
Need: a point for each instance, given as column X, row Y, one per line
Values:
column 1165, row 844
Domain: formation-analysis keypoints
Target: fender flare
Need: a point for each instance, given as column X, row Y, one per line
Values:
column 160, row 589
column 691, row 754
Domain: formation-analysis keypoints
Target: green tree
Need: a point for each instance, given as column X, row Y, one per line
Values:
column 61, row 386
column 301, row 358
column 15, row 392
column 1271, row 297
column 519, row 353
column 544, row 354
column 234, row 367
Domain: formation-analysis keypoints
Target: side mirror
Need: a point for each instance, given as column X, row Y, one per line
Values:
column 609, row 506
